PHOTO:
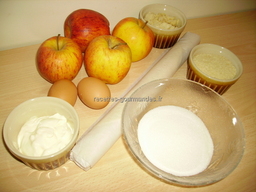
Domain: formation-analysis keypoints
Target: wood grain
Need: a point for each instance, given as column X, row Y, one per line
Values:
column 117, row 170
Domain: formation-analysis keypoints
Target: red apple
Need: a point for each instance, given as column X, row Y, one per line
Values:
column 137, row 35
column 59, row 58
column 83, row 25
column 108, row 58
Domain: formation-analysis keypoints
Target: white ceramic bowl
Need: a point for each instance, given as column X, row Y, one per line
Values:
column 41, row 106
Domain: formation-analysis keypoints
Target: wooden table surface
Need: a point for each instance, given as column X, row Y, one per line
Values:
column 117, row 170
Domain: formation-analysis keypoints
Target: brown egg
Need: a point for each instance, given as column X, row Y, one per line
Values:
column 93, row 92
column 64, row 89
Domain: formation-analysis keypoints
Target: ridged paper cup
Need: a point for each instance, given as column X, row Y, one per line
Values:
column 41, row 106
column 164, row 38
column 220, row 85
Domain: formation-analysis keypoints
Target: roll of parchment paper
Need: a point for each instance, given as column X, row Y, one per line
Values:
column 102, row 135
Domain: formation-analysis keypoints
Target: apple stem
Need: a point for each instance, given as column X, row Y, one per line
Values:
column 144, row 24
column 58, row 47
column 118, row 45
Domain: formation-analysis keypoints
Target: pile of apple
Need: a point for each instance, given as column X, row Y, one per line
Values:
column 107, row 57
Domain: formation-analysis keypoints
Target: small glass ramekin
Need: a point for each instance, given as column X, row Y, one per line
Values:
column 219, row 85
column 164, row 38
column 41, row 106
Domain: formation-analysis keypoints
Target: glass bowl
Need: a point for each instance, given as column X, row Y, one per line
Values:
column 218, row 83
column 41, row 106
column 165, row 36
column 222, row 122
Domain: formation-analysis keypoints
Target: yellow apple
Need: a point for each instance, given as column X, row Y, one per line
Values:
column 108, row 58
column 137, row 35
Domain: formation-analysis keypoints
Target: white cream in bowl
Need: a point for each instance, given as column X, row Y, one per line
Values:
column 41, row 136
